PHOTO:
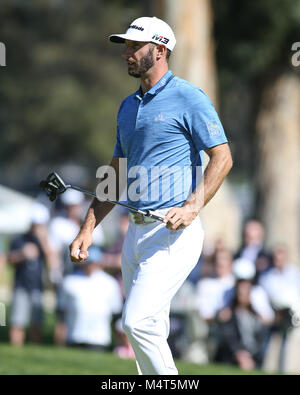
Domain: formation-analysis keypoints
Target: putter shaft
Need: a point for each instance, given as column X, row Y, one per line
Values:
column 54, row 186
column 147, row 213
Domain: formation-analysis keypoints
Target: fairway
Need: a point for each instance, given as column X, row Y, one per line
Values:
column 55, row 360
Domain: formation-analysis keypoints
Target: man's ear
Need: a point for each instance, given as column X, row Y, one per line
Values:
column 161, row 51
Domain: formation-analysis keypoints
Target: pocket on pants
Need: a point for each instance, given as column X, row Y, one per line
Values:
column 187, row 239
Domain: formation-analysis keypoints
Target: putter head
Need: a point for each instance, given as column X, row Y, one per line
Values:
column 53, row 186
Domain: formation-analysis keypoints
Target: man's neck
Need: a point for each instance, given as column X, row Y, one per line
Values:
column 150, row 79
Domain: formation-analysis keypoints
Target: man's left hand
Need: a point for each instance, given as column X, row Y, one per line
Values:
column 179, row 217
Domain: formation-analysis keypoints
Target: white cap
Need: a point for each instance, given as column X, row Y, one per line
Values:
column 71, row 197
column 147, row 29
column 40, row 214
column 244, row 269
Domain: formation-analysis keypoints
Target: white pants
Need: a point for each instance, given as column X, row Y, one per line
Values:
column 155, row 263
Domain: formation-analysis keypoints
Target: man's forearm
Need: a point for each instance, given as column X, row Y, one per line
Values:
column 214, row 174
column 96, row 213
column 99, row 209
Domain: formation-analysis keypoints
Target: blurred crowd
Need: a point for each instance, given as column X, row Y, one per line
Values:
column 237, row 304
column 230, row 309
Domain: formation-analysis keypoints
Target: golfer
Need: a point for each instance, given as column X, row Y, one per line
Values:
column 162, row 131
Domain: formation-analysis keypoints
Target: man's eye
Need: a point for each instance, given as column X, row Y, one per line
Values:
column 134, row 47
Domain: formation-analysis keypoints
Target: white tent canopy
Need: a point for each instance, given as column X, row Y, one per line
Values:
column 15, row 211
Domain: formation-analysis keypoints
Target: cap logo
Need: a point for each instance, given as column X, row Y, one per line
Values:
column 160, row 39
column 136, row 27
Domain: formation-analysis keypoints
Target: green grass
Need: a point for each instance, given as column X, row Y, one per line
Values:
column 55, row 360
column 49, row 359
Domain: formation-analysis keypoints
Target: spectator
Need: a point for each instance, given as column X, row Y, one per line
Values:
column 253, row 247
column 195, row 275
column 208, row 257
column 242, row 332
column 244, row 269
column 282, row 284
column 215, row 294
column 63, row 230
column 28, row 254
column 210, row 298
column 211, row 292
column 111, row 261
column 90, row 297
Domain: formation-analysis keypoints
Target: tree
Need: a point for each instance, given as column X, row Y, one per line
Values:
column 62, row 85
column 254, row 41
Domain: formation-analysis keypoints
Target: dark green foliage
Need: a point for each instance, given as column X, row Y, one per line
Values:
column 253, row 46
column 253, row 36
column 63, row 83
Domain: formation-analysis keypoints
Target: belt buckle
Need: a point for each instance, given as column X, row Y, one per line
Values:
column 138, row 218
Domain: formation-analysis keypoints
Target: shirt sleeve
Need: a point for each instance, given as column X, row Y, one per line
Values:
column 203, row 123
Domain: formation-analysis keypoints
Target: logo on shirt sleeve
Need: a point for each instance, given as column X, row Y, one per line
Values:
column 213, row 128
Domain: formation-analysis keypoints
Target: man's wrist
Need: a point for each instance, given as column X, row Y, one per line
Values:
column 193, row 207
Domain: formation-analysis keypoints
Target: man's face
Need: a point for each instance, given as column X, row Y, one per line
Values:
column 280, row 257
column 223, row 262
column 139, row 57
column 243, row 292
column 253, row 233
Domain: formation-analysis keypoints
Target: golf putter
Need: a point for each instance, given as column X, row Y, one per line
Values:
column 54, row 186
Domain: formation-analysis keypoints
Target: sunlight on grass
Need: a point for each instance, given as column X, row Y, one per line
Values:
column 55, row 360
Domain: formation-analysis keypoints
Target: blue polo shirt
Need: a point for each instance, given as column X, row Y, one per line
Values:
column 162, row 134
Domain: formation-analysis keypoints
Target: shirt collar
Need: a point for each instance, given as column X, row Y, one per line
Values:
column 161, row 84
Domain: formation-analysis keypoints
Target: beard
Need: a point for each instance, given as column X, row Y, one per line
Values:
column 137, row 70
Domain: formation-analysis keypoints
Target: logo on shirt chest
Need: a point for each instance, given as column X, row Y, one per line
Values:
column 160, row 118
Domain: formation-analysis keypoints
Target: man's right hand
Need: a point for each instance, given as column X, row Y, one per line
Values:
column 79, row 247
